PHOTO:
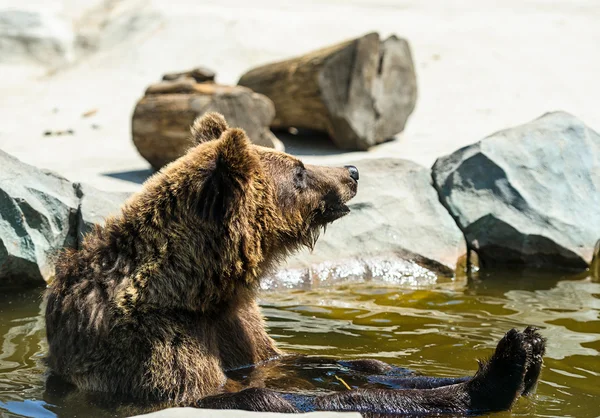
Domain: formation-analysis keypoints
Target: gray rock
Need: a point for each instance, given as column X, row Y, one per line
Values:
column 400, row 269
column 40, row 213
column 43, row 34
column 595, row 265
column 35, row 35
column 395, row 215
column 527, row 197
column 95, row 205
column 210, row 413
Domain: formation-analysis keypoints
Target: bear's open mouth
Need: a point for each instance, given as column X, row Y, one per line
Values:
column 341, row 210
column 333, row 213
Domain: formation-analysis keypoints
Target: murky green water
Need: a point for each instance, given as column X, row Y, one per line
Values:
column 440, row 330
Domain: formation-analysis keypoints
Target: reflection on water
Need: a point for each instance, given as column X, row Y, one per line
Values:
column 438, row 330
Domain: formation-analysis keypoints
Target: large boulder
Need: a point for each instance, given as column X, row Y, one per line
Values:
column 58, row 33
column 35, row 35
column 400, row 268
column 40, row 213
column 397, row 224
column 162, row 118
column 595, row 265
column 94, row 206
column 529, row 196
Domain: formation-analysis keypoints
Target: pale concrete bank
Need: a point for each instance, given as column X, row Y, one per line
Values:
column 481, row 66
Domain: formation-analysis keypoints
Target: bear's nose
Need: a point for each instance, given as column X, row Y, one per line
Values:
column 353, row 171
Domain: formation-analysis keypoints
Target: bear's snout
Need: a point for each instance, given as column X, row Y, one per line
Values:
column 353, row 171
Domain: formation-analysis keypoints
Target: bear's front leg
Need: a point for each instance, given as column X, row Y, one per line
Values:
column 242, row 338
column 378, row 372
column 512, row 370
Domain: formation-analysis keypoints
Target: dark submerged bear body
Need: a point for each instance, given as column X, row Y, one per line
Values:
column 160, row 303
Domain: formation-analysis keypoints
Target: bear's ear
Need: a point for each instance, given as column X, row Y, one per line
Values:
column 208, row 127
column 237, row 165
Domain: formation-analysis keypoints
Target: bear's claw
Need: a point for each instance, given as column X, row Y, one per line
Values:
column 536, row 360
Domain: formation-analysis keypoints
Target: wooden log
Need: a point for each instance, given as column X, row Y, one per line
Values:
column 360, row 92
column 162, row 118
column 200, row 74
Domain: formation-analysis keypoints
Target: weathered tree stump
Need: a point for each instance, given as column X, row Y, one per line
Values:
column 360, row 92
column 162, row 118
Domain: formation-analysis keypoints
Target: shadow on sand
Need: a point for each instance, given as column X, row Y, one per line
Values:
column 134, row 176
column 307, row 142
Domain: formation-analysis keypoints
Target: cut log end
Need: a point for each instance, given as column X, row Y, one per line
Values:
column 360, row 92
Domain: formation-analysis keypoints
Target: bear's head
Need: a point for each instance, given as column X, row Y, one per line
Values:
column 293, row 201
column 225, row 213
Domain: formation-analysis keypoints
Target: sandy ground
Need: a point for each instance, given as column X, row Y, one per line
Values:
column 481, row 65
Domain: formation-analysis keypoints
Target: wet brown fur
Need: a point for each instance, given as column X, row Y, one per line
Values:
column 160, row 302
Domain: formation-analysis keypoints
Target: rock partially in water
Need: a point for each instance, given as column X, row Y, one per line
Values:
column 396, row 211
column 40, row 213
column 595, row 265
column 390, row 269
column 527, row 197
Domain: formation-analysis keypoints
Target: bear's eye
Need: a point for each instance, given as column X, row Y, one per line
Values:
column 300, row 178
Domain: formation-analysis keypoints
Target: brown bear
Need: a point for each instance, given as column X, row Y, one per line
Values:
column 158, row 305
